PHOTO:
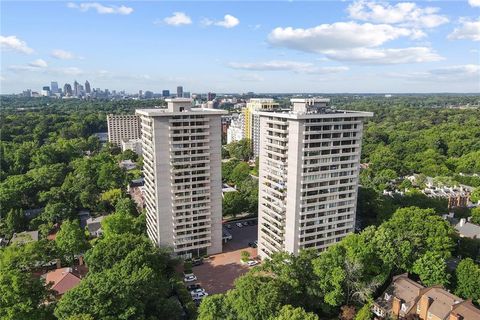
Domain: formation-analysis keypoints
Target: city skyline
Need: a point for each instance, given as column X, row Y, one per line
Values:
column 358, row 46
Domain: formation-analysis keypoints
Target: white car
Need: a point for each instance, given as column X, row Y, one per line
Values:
column 238, row 224
column 199, row 296
column 190, row 277
column 197, row 291
column 252, row 263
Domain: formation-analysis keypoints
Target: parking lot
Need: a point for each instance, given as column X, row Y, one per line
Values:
column 217, row 274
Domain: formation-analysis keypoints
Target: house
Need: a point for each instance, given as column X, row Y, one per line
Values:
column 407, row 299
column 24, row 237
column 94, row 226
column 62, row 280
column 467, row 229
column 128, row 164
column 399, row 298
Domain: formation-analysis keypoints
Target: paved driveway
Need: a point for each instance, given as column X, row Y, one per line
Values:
column 217, row 274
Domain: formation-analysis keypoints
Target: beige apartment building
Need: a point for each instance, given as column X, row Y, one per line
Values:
column 122, row 127
column 251, row 119
column 183, row 183
column 308, row 179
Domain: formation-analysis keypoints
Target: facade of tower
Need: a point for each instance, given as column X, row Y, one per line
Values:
column 87, row 87
column 76, row 88
column 183, row 184
column 54, row 87
column 252, row 120
column 67, row 90
column 308, row 176
column 122, row 127
column 179, row 92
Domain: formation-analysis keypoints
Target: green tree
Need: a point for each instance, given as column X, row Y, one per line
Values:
column 289, row 312
column 214, row 307
column 71, row 240
column 256, row 297
column 432, row 269
column 475, row 196
column 22, row 296
column 467, row 277
column 475, row 212
column 136, row 286
column 118, row 223
column 242, row 150
column 240, row 173
column 233, row 204
column 112, row 196
column 15, row 221
column 227, row 169
column 365, row 312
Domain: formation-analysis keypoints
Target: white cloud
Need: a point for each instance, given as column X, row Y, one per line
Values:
column 250, row 77
column 282, row 65
column 465, row 72
column 69, row 71
column 101, row 9
column 406, row 13
column 62, row 54
column 177, row 19
column 468, row 30
column 228, row 22
column 14, row 44
column 384, row 56
column 474, row 3
column 39, row 63
column 338, row 35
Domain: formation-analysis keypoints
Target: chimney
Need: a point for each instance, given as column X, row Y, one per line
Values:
column 59, row 263
column 396, row 306
column 455, row 316
column 425, row 302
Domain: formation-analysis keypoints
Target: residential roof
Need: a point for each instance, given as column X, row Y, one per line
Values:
column 467, row 310
column 468, row 229
column 442, row 301
column 62, row 280
column 94, row 224
column 404, row 289
column 25, row 237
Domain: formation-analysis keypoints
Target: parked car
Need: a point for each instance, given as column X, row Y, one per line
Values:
column 192, row 287
column 252, row 263
column 229, row 226
column 251, row 222
column 252, row 244
column 190, row 277
column 256, row 243
column 197, row 262
column 197, row 291
column 238, row 224
column 199, row 296
column 245, row 223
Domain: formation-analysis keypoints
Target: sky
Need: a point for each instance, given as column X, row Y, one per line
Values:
column 240, row 46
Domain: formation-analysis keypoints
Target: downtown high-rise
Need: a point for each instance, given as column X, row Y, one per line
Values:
column 183, row 184
column 308, row 176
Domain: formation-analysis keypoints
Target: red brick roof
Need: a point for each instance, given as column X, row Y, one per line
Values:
column 62, row 280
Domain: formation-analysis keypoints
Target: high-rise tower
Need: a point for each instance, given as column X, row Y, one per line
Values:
column 308, row 176
column 183, row 183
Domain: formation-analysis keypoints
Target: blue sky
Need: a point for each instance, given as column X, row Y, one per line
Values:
column 272, row 46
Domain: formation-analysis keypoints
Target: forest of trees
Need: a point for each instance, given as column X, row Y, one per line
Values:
column 51, row 159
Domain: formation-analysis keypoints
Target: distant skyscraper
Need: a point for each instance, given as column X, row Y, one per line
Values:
column 46, row 91
column 166, row 93
column 308, row 176
column 76, row 89
column 148, row 94
column 211, row 96
column 67, row 90
column 54, row 87
column 186, row 94
column 87, row 87
column 179, row 92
